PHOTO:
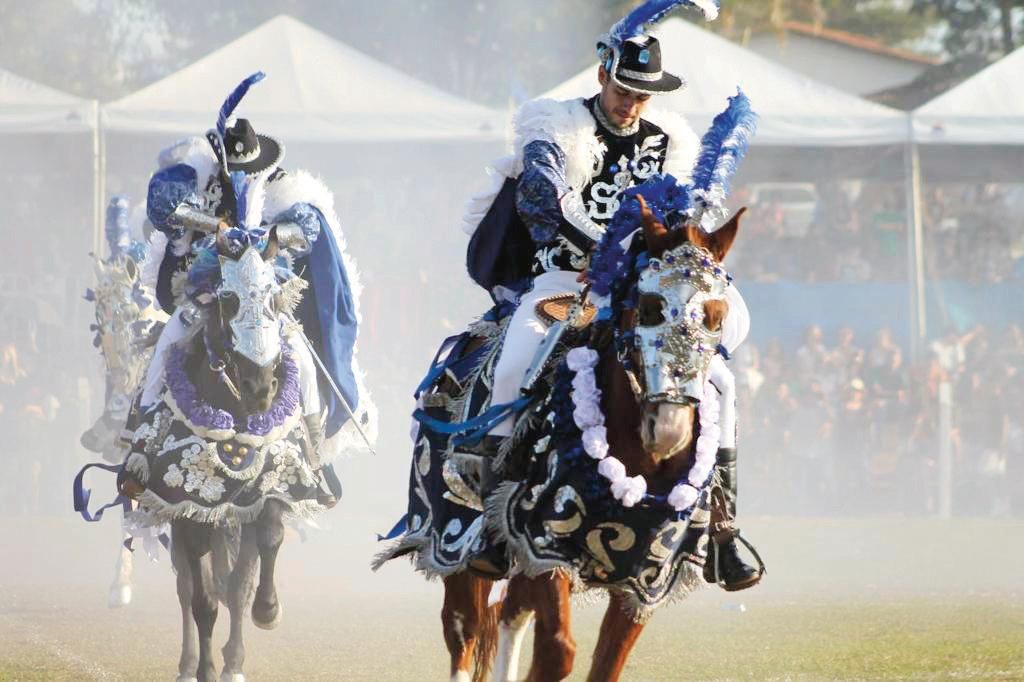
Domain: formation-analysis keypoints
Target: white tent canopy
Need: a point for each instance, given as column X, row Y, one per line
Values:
column 986, row 109
column 794, row 110
column 316, row 89
column 27, row 107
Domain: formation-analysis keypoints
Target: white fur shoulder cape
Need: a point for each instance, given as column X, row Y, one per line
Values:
column 571, row 126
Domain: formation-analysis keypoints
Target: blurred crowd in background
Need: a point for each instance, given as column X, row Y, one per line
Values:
column 841, row 425
column 856, row 232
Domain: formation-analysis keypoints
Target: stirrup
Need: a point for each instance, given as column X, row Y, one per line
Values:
column 761, row 570
column 722, row 531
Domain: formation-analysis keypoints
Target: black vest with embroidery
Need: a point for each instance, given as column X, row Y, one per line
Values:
column 627, row 160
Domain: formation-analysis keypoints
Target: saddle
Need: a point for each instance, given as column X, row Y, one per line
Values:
column 557, row 309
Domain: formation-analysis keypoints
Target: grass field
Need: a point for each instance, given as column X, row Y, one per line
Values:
column 843, row 600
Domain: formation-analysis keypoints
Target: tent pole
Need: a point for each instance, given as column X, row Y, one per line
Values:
column 103, row 173
column 97, row 183
column 915, row 250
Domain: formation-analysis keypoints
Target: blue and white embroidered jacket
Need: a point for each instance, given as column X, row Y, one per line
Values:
column 570, row 167
column 566, row 223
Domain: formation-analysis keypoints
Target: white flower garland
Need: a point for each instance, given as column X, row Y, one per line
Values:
column 629, row 490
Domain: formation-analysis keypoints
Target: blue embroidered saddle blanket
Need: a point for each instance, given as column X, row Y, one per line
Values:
column 555, row 513
column 217, row 477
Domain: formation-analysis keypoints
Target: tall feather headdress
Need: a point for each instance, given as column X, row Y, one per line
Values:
column 636, row 23
column 216, row 135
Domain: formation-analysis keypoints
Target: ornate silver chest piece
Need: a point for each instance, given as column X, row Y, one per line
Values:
column 676, row 348
column 255, row 326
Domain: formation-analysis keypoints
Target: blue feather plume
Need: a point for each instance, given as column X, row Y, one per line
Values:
column 722, row 149
column 117, row 230
column 635, row 23
column 233, row 99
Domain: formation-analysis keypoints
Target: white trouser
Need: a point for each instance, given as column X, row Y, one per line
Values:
column 172, row 332
column 723, row 379
column 525, row 332
column 175, row 331
column 734, row 330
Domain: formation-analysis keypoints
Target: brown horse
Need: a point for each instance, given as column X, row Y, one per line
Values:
column 655, row 439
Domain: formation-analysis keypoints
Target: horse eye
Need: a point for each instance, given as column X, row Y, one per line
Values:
column 650, row 310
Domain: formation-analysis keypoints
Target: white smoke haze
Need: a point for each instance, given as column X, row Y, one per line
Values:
column 881, row 480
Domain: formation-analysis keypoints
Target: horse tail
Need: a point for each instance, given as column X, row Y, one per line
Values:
column 225, row 541
column 487, row 634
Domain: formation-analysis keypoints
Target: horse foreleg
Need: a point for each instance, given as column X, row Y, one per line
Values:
column 619, row 633
column 553, row 646
column 464, row 603
column 121, row 589
column 189, row 659
column 268, row 534
column 196, row 545
column 241, row 587
column 516, row 616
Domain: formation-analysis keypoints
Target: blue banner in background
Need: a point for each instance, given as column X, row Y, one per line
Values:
column 783, row 310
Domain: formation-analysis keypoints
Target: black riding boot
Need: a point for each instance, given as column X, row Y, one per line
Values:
column 724, row 564
column 492, row 560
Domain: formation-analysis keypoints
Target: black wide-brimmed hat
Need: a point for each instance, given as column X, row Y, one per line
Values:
column 248, row 152
column 636, row 65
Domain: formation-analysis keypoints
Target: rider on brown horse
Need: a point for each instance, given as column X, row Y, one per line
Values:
column 532, row 238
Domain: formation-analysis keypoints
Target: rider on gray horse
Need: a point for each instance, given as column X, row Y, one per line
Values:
column 573, row 160
column 192, row 196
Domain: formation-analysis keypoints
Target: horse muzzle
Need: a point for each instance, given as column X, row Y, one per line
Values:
column 667, row 428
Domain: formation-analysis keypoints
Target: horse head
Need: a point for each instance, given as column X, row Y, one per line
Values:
column 243, row 316
column 678, row 326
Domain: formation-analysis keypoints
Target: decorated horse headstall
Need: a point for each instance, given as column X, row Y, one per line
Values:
column 671, row 337
column 254, row 295
column 667, row 348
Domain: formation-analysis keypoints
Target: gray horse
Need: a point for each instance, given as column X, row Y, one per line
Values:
column 225, row 454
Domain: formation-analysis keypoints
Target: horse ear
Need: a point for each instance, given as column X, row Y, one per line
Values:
column 720, row 241
column 272, row 249
column 655, row 233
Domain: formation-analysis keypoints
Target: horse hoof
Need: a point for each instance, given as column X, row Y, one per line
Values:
column 268, row 617
column 232, row 677
column 186, row 678
column 120, row 595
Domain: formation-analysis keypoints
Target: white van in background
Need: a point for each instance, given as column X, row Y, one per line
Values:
column 798, row 201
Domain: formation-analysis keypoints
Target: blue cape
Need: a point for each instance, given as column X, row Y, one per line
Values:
column 328, row 316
